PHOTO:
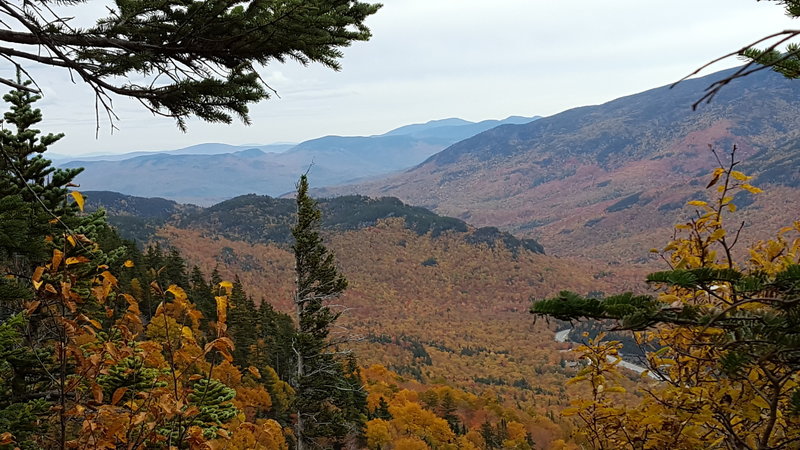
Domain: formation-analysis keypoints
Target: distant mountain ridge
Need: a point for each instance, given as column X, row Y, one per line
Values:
column 209, row 148
column 611, row 179
column 208, row 173
column 263, row 219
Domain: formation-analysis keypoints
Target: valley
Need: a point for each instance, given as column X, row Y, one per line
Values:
column 446, row 247
column 444, row 300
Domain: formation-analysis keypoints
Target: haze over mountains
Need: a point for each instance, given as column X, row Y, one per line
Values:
column 608, row 179
column 208, row 173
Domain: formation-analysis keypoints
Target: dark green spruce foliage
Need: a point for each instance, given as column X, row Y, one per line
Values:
column 786, row 62
column 329, row 404
column 34, row 200
column 751, row 335
column 204, row 54
column 242, row 325
column 32, row 192
column 276, row 331
column 130, row 374
column 200, row 293
column 213, row 399
column 23, row 382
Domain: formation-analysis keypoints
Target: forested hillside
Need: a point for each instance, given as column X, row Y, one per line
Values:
column 263, row 219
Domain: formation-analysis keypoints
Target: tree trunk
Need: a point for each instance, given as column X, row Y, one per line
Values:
column 298, row 428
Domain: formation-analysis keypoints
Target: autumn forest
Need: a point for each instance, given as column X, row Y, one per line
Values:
column 618, row 276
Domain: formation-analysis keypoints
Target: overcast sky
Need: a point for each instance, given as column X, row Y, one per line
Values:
column 433, row 59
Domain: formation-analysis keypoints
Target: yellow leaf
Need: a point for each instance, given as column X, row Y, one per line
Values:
column 177, row 291
column 669, row 298
column 222, row 307
column 6, row 438
column 109, row 278
column 187, row 333
column 254, row 371
column 128, row 263
column 118, row 394
column 731, row 207
column 650, row 419
column 717, row 235
column 739, row 175
column 227, row 285
column 760, row 402
column 37, row 274
column 37, row 284
column 78, row 198
column 697, row 203
column 751, row 189
column 71, row 240
column 30, row 307
column 77, row 260
column 58, row 255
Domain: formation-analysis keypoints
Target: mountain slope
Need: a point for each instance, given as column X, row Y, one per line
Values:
column 610, row 179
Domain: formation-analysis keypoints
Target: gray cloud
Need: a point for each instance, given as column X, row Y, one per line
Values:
column 432, row 59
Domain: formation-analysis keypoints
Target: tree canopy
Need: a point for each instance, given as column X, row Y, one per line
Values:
column 182, row 58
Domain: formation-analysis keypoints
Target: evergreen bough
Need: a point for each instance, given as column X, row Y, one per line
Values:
column 197, row 58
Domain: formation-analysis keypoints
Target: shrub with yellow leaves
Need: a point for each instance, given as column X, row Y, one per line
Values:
column 724, row 334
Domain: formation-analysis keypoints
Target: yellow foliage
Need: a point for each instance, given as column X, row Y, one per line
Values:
column 253, row 401
column 267, row 435
column 228, row 374
column 405, row 396
column 469, row 441
column 410, row 443
column 378, row 434
column 164, row 330
column 410, row 419
column 697, row 406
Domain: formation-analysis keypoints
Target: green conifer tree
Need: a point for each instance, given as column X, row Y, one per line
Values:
column 32, row 191
column 242, row 321
column 275, row 333
column 201, row 295
column 326, row 407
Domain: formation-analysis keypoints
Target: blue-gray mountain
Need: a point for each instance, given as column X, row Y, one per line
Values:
column 208, row 173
